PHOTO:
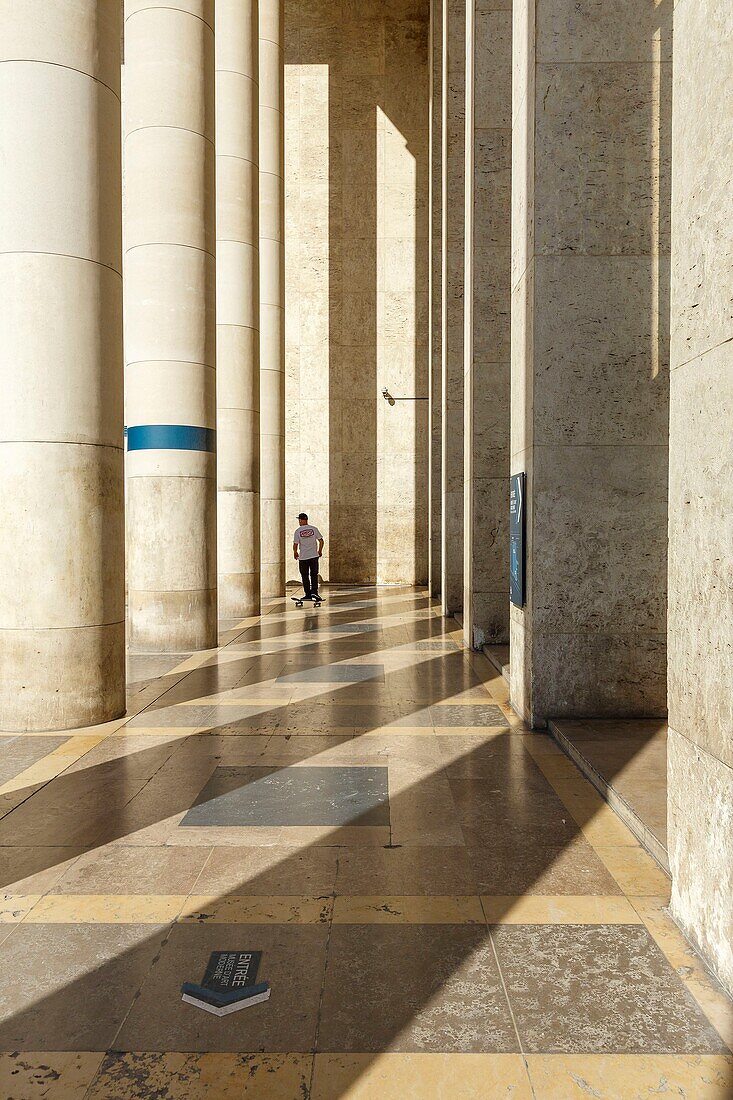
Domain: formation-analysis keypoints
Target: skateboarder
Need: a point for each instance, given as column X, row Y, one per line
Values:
column 307, row 550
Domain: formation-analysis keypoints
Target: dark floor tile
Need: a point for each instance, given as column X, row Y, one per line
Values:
column 421, row 871
column 518, row 864
column 333, row 674
column 293, row 796
column 72, row 985
column 293, row 960
column 413, row 988
column 605, row 990
column 271, row 871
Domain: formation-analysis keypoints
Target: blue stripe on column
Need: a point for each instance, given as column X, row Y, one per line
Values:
column 170, row 437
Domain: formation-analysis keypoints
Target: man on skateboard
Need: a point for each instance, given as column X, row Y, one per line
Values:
column 307, row 550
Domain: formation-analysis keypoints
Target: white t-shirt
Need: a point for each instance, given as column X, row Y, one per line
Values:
column 306, row 538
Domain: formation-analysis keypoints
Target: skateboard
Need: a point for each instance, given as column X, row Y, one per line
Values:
column 300, row 600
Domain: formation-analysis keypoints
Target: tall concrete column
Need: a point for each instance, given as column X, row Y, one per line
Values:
column 590, row 263
column 700, row 762
column 170, row 323
column 272, row 300
column 452, row 242
column 237, row 307
column 487, row 306
column 62, row 630
column 436, row 294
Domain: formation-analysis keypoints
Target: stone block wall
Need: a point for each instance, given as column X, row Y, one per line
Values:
column 357, row 225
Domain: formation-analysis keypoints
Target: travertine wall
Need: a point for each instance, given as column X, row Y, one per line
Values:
column 701, row 485
column 487, row 331
column 590, row 179
column 452, row 321
column 436, row 295
column 356, row 148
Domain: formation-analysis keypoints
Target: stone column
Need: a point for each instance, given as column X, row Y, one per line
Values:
column 453, row 126
column 170, row 324
column 62, row 630
column 272, row 298
column 237, row 307
column 435, row 270
column 590, row 178
column 700, row 763
column 487, row 300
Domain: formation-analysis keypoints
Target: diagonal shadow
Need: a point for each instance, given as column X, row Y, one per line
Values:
column 484, row 803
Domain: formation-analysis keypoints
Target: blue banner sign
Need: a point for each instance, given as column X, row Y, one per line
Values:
column 517, row 509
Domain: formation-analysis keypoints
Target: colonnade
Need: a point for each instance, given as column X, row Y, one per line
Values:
column 581, row 175
column 201, row 99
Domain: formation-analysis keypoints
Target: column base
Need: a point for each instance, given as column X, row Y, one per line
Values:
column 62, row 678
column 172, row 622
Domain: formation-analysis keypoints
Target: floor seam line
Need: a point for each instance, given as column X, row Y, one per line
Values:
column 503, row 983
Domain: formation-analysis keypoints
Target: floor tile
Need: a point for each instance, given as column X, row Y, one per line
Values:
column 106, row 909
column 47, row 1075
column 19, row 752
column 519, row 865
column 414, row 870
column 420, row 1077
column 635, row 871
column 471, row 715
column 293, row 962
column 406, row 909
column 233, row 909
column 269, row 871
column 293, row 796
column 631, row 1077
column 527, row 909
column 120, row 870
column 78, row 982
column 333, row 674
column 34, row 870
column 413, row 988
column 143, row 1076
column 602, row 989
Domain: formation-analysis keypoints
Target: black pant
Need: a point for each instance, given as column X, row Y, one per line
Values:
column 309, row 575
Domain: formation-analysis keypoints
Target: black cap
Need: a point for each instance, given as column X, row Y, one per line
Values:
column 303, row 515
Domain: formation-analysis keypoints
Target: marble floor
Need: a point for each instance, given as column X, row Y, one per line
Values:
column 446, row 908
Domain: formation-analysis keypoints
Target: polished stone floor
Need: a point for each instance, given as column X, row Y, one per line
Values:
column 446, row 908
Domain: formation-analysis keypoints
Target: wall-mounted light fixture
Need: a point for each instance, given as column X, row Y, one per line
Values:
column 391, row 400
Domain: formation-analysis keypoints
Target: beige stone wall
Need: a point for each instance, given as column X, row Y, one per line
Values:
column 701, row 486
column 487, row 331
column 452, row 319
column 589, row 348
column 356, row 214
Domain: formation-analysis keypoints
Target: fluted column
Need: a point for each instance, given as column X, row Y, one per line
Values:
column 62, row 632
column 170, row 323
column 237, row 307
column 272, row 298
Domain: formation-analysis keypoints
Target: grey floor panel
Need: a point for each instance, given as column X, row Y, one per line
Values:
column 292, row 796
